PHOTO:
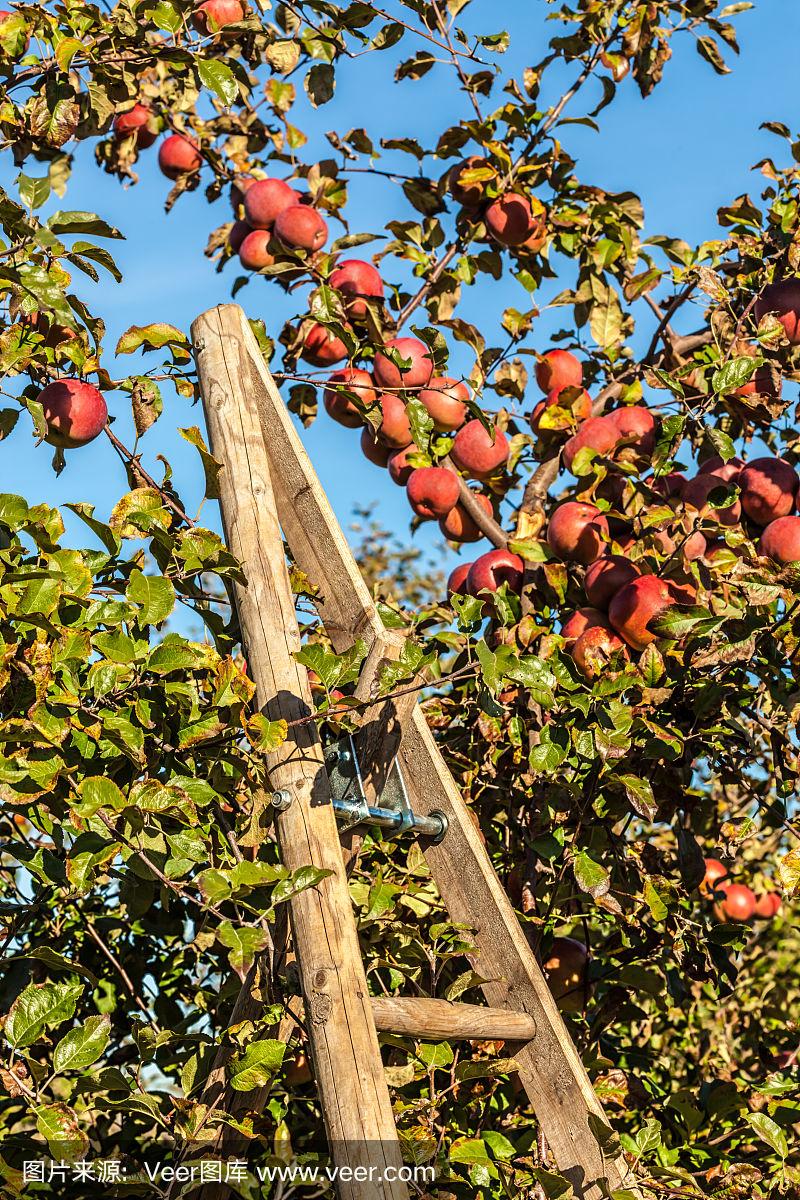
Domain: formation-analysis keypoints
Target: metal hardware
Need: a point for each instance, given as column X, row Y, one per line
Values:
column 281, row 800
column 394, row 814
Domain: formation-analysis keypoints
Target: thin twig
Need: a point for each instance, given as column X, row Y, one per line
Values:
column 123, row 974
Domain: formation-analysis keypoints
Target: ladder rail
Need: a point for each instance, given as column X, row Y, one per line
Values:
column 344, row 1044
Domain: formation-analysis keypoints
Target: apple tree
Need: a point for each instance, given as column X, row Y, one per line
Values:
column 610, row 670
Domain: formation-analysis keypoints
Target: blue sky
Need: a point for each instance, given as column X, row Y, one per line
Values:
column 686, row 150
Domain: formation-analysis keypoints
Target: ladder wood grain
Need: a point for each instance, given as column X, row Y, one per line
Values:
column 550, row 1068
column 344, row 1045
column 441, row 1020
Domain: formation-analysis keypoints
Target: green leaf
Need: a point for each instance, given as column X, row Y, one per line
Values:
column 165, row 16
column 85, row 250
column 639, row 794
column 33, row 192
column 299, row 881
column 218, row 78
column 59, row 962
column 58, row 1124
column 320, row 84
column 243, row 943
column 82, row 222
column 40, row 1007
column 150, row 337
column 436, row 1054
column 154, row 595
column 256, row 1066
column 96, row 792
column 211, row 466
column 555, row 1187
column 490, row 670
column 722, row 443
column 264, row 734
column 66, row 50
column 82, row 1046
column 421, row 422
column 590, row 876
column 770, row 1132
column 734, row 374
column 677, row 623
column 535, row 675
column 175, row 653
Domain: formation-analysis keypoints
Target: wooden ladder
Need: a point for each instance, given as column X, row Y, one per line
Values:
column 269, row 490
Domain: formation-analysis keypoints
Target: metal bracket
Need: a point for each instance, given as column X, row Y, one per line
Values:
column 394, row 815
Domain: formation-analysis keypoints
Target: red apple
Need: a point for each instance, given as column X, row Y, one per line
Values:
column 598, row 433
column 728, row 471
column 446, row 401
column 669, row 486
column 491, row 570
column 255, row 252
column 359, row 282
column 179, row 155
column 417, row 375
column 605, row 577
column 715, row 871
column 75, row 412
column 468, row 194
column 478, row 453
column 637, row 433
column 738, row 904
column 578, row 532
column 301, row 227
column 457, row 582
column 138, row 120
column 580, row 621
column 213, row 15
column 636, row 605
column 337, row 402
column 783, row 301
column 768, row 905
column 265, row 200
column 372, row 449
column 432, row 491
column 780, row 541
column 321, row 347
column 399, row 467
column 558, row 369
column 509, row 219
column 395, row 428
column 697, row 491
column 236, row 235
column 769, row 489
column 458, row 525
column 594, row 649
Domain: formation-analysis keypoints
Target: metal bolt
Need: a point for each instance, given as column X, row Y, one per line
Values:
column 281, row 800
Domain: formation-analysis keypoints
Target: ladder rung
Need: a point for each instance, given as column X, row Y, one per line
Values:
column 423, row 1017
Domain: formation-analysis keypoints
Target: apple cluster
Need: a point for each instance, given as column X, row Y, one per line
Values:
column 378, row 403
column 513, row 219
column 624, row 596
column 736, row 901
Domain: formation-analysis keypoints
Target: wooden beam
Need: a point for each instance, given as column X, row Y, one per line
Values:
column 439, row 1020
column 550, row 1067
column 344, row 1045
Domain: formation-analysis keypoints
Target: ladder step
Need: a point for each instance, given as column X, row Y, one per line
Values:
column 439, row 1020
